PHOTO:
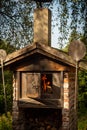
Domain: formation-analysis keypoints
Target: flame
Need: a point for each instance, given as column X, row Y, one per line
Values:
column 44, row 78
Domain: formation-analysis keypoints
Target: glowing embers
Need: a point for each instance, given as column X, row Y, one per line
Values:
column 46, row 84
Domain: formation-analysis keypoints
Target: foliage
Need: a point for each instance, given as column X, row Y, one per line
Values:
column 6, row 46
column 82, row 95
column 16, row 24
column 84, row 40
column 6, row 122
column 82, row 118
column 82, row 74
column 16, row 21
column 8, row 80
column 82, row 83
column 8, row 86
column 16, row 27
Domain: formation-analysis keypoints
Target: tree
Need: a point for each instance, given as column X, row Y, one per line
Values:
column 7, row 46
column 16, row 24
column 16, row 21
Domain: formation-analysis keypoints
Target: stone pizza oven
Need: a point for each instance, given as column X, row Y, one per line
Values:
column 43, row 82
column 43, row 88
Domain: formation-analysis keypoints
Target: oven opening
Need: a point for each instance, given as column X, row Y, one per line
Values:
column 41, row 85
column 46, row 85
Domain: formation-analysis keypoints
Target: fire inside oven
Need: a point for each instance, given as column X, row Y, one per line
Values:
column 46, row 83
column 41, row 85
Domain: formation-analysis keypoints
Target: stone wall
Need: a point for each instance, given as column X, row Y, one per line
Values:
column 47, row 118
column 18, row 120
column 69, row 120
column 72, row 111
column 65, row 110
column 36, row 118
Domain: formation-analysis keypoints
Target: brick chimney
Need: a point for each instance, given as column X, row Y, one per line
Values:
column 42, row 26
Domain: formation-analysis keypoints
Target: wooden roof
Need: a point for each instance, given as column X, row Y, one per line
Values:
column 44, row 50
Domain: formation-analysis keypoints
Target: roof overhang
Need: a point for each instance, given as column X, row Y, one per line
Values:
column 44, row 50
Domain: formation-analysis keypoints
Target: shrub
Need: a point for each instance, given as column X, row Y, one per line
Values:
column 6, row 122
column 82, row 118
